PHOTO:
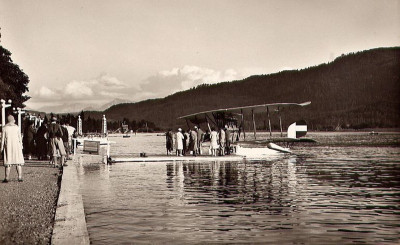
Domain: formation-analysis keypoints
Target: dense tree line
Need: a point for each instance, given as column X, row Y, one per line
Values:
column 92, row 124
column 358, row 90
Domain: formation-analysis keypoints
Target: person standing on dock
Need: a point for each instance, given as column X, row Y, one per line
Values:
column 65, row 139
column 214, row 142
column 193, row 142
column 11, row 148
column 29, row 140
column 55, row 142
column 228, row 141
column 222, row 140
column 200, row 139
column 179, row 142
column 186, row 142
column 169, row 141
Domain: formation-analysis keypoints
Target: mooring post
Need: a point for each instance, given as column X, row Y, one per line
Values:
column 107, row 156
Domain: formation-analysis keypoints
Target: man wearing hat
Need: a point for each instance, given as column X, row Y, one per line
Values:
column 56, row 143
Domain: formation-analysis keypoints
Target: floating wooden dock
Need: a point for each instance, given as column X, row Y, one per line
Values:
column 176, row 158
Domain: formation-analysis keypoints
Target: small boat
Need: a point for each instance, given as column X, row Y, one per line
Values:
column 125, row 130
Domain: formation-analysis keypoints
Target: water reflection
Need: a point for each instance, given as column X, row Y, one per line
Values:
column 323, row 195
column 271, row 186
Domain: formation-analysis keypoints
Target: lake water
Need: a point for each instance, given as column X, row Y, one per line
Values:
column 325, row 194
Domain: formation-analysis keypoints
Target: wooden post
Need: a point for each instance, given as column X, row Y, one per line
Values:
column 280, row 122
column 254, row 125
column 269, row 123
column 208, row 124
column 187, row 123
column 107, row 155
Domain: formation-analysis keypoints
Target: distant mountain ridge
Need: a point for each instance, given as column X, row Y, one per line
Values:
column 112, row 103
column 77, row 107
column 355, row 90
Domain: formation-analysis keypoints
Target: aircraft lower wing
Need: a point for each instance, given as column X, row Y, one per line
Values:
column 285, row 140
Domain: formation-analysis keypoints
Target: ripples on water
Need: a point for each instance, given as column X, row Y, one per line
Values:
column 322, row 195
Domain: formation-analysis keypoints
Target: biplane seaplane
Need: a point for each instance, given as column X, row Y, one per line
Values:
column 233, row 119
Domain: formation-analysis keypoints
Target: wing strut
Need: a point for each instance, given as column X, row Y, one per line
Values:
column 254, row 125
column 211, row 120
column 269, row 122
column 208, row 124
column 187, row 123
column 244, row 131
column 280, row 121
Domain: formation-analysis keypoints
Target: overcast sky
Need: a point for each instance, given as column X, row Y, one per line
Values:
column 92, row 51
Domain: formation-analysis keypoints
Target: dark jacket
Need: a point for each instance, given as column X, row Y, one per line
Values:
column 65, row 134
column 55, row 131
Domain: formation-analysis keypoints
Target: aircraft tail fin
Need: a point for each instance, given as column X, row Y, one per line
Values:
column 297, row 129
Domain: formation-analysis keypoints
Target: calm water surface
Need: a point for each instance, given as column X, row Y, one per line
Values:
column 322, row 195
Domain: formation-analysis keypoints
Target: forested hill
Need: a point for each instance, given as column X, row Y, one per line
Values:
column 357, row 90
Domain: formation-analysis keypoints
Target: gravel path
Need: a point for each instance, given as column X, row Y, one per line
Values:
column 27, row 208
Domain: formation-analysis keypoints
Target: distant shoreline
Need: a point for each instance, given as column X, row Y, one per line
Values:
column 367, row 130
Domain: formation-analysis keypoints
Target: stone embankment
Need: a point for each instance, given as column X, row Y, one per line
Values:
column 70, row 223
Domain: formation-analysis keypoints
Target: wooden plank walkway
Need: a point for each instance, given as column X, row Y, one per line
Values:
column 177, row 158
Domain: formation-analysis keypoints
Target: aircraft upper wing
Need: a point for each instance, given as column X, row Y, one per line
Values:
column 255, row 108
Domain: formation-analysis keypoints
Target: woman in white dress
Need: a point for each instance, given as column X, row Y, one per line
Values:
column 11, row 148
column 214, row 142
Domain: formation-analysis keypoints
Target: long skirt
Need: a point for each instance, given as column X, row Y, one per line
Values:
column 29, row 146
column 41, row 147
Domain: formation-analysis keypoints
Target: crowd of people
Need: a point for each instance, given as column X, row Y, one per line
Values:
column 190, row 142
column 46, row 142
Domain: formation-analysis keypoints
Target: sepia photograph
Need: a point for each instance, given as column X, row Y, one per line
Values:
column 200, row 122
